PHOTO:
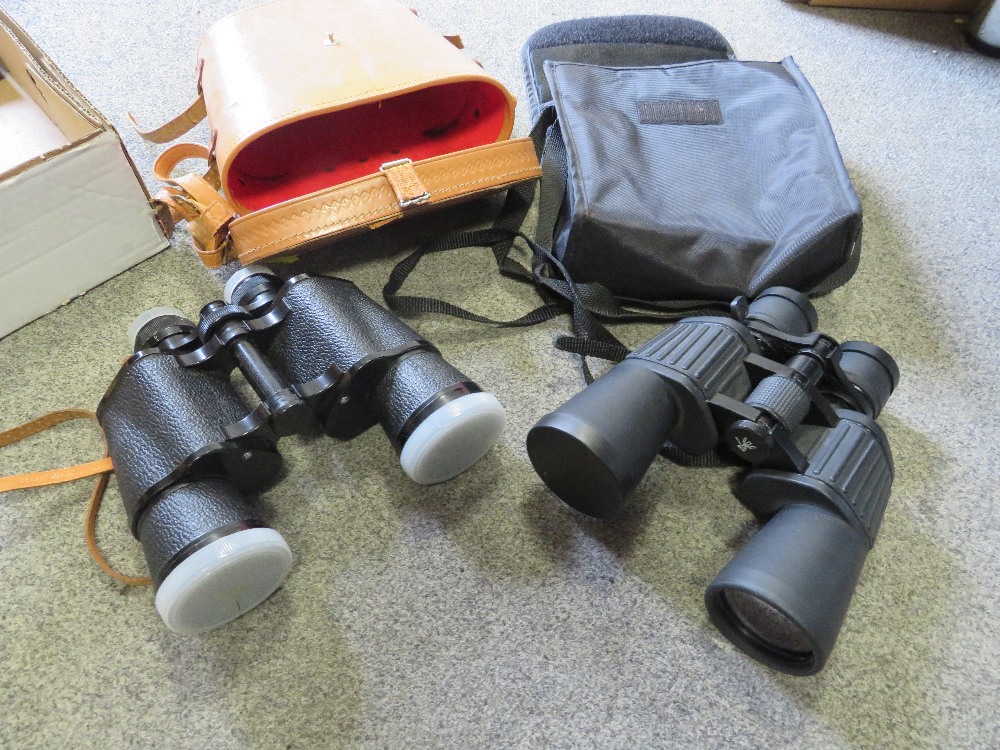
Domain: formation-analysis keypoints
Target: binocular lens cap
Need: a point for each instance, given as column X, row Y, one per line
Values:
column 453, row 438
column 145, row 318
column 239, row 277
column 223, row 580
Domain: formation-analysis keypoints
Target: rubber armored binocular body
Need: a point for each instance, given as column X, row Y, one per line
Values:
column 783, row 598
column 595, row 449
column 769, row 387
column 380, row 370
column 182, row 479
column 821, row 485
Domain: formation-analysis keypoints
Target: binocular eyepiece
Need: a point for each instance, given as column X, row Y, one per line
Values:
column 794, row 404
column 187, row 448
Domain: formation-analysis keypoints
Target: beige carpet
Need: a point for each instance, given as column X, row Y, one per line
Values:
column 483, row 613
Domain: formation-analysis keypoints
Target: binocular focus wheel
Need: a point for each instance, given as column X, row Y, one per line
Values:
column 453, row 438
column 223, row 580
column 237, row 278
column 145, row 318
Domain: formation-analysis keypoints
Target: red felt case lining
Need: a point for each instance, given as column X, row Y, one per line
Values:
column 333, row 148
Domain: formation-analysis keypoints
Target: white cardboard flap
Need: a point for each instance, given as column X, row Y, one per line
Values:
column 68, row 224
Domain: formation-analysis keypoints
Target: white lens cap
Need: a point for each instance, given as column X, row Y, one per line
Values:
column 453, row 438
column 223, row 580
column 144, row 318
column 241, row 275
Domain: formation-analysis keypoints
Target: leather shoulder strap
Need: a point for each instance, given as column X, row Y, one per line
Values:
column 101, row 468
column 52, row 476
column 196, row 199
column 177, row 127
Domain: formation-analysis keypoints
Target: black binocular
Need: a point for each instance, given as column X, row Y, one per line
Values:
column 790, row 401
column 187, row 446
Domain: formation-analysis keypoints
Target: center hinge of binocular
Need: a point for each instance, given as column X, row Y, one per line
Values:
column 342, row 394
column 226, row 337
column 756, row 434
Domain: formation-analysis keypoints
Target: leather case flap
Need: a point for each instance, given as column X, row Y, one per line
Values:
column 306, row 94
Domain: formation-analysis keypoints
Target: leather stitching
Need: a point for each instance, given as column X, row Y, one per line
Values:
column 385, row 207
column 353, row 198
column 485, row 162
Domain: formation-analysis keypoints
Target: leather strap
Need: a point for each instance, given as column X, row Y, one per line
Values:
column 165, row 162
column 375, row 199
column 53, row 476
column 405, row 183
column 177, row 127
column 197, row 200
column 101, row 467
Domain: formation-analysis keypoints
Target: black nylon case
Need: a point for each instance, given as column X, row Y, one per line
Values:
column 689, row 175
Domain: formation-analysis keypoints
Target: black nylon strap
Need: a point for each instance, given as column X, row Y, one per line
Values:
column 713, row 459
column 587, row 303
column 478, row 238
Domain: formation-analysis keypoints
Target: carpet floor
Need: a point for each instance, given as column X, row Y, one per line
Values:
column 482, row 612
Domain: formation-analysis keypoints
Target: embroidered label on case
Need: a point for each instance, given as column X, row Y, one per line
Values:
column 680, row 112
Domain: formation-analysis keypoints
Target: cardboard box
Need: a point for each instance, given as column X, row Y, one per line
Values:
column 945, row 6
column 73, row 210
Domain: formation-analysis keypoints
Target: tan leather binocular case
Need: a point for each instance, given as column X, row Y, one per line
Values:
column 328, row 117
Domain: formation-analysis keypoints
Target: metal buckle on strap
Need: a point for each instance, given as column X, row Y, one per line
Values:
column 410, row 178
column 397, row 163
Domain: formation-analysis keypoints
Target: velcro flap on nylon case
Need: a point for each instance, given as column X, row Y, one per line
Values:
column 701, row 180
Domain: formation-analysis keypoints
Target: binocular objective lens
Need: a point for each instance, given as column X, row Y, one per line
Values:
column 765, row 626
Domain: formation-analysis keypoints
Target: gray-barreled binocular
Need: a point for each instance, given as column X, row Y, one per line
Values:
column 187, row 446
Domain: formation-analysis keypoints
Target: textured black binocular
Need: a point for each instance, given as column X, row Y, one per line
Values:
column 792, row 402
column 187, row 447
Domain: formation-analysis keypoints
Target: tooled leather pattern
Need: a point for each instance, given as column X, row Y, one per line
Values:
column 258, row 232
column 157, row 415
column 186, row 513
column 493, row 166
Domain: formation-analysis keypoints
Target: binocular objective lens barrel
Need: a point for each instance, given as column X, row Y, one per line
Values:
column 783, row 597
column 210, row 559
column 593, row 450
column 437, row 418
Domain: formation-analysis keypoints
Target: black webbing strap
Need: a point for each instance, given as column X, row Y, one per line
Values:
column 588, row 304
column 547, row 275
column 712, row 460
